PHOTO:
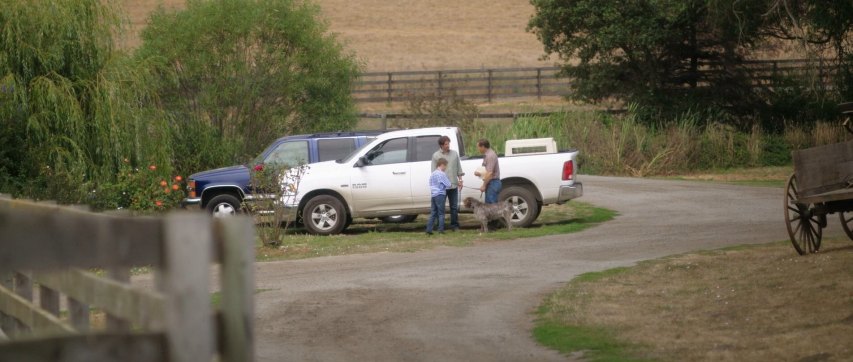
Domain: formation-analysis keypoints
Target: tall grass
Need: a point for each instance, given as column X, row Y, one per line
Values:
column 622, row 145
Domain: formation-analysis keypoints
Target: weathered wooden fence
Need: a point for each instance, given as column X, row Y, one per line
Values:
column 467, row 83
column 383, row 118
column 495, row 83
column 47, row 252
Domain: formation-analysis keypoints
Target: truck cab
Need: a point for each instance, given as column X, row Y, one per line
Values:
column 222, row 191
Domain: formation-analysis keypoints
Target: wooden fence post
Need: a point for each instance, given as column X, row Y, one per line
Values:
column 390, row 92
column 539, row 83
column 489, row 94
column 49, row 300
column 116, row 324
column 185, row 281
column 8, row 323
column 78, row 313
column 24, row 288
column 237, row 279
column 439, row 83
column 820, row 72
column 774, row 75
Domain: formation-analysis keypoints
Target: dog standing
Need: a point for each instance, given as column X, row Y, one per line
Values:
column 487, row 212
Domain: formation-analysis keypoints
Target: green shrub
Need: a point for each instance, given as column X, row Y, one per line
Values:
column 776, row 151
column 145, row 189
column 253, row 70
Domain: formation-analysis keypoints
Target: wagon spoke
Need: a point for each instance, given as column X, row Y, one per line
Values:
column 809, row 242
column 815, row 221
column 814, row 243
column 846, row 223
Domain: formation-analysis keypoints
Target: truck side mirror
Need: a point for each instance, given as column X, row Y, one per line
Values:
column 362, row 161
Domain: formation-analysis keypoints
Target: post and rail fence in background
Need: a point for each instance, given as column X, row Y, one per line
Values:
column 492, row 83
column 48, row 253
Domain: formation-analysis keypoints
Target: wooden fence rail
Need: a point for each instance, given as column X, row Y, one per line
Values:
column 495, row 83
column 50, row 247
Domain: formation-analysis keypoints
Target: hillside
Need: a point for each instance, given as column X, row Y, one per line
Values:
column 414, row 34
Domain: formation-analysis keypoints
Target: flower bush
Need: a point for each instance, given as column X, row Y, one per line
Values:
column 145, row 189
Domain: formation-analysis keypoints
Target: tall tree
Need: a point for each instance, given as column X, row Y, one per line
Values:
column 825, row 27
column 71, row 107
column 654, row 52
column 252, row 69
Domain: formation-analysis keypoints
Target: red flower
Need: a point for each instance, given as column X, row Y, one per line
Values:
column 163, row 183
column 166, row 190
column 152, row 168
column 175, row 187
column 158, row 203
column 259, row 167
column 178, row 178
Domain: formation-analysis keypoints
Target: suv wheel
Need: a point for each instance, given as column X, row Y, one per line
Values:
column 224, row 205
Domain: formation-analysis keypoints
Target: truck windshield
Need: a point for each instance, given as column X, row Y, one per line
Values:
column 351, row 155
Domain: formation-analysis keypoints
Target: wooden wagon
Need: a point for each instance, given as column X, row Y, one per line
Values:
column 822, row 184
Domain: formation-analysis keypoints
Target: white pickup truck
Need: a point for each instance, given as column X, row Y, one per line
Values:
column 390, row 176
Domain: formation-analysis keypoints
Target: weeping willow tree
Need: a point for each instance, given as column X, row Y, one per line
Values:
column 72, row 108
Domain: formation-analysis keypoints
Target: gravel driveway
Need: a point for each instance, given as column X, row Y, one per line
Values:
column 476, row 303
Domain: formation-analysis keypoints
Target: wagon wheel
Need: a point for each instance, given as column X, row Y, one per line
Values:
column 847, row 222
column 803, row 226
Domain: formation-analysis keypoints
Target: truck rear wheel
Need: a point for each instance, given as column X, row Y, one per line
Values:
column 224, row 205
column 525, row 208
column 399, row 219
column 324, row 215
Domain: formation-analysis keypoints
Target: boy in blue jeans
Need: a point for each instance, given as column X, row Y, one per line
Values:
column 438, row 185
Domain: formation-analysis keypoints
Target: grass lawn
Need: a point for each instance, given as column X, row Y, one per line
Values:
column 369, row 235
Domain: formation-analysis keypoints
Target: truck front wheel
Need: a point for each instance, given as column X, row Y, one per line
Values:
column 525, row 208
column 224, row 205
column 324, row 215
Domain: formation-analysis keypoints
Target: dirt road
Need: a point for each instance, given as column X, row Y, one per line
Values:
column 476, row 303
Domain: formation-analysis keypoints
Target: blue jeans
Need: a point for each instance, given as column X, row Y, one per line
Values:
column 492, row 191
column 436, row 213
column 453, row 199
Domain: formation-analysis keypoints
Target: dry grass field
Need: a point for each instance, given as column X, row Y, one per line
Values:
column 414, row 34
column 757, row 303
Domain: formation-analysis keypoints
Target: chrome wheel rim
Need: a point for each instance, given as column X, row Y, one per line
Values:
column 224, row 210
column 520, row 208
column 324, row 217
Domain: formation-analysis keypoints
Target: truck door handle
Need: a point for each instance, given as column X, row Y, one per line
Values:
column 399, row 173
